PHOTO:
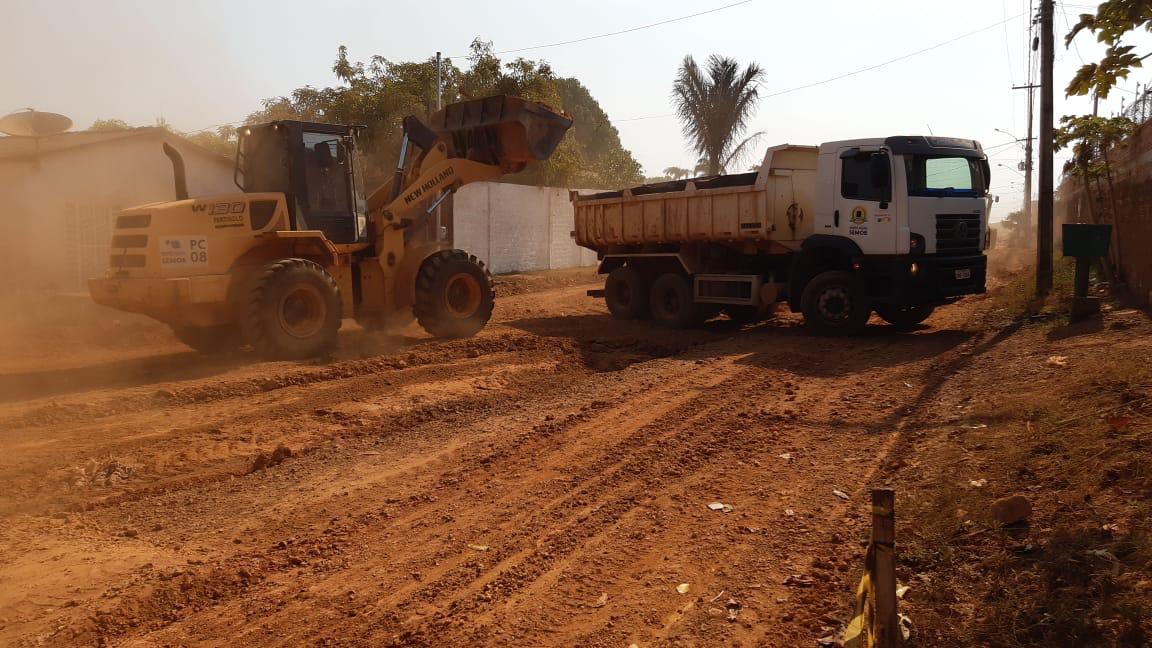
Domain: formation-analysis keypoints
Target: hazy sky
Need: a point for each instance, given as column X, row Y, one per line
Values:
column 206, row 62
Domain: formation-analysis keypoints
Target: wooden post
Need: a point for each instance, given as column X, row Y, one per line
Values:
column 1044, row 213
column 884, row 545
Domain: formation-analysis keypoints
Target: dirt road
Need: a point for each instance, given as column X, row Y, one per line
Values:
column 545, row 483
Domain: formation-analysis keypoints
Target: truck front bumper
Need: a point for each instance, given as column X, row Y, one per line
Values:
column 924, row 279
column 189, row 301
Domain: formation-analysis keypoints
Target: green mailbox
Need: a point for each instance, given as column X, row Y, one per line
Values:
column 1086, row 240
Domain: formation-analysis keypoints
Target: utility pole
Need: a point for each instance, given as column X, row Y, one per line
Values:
column 439, row 92
column 1044, row 239
column 439, row 82
column 1026, row 221
column 1028, row 164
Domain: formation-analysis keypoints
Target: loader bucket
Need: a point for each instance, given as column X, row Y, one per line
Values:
column 503, row 130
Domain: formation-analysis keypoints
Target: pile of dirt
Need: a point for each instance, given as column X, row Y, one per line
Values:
column 526, row 282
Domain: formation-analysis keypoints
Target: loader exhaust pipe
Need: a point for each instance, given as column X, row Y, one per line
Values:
column 178, row 175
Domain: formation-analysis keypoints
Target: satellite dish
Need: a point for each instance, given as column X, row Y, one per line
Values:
column 33, row 123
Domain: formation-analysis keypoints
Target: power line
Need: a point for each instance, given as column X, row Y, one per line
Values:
column 854, row 72
column 1068, row 24
column 617, row 33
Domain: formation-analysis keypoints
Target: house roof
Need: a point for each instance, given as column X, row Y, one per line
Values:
column 17, row 148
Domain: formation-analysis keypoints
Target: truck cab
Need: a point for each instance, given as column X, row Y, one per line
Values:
column 911, row 213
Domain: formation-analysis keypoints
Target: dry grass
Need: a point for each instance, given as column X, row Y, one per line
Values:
column 1075, row 441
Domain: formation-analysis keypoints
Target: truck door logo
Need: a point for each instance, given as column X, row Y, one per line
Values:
column 857, row 221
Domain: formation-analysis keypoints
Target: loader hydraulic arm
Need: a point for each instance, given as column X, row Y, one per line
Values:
column 469, row 141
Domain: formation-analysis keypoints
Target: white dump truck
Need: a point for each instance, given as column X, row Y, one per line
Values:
column 894, row 225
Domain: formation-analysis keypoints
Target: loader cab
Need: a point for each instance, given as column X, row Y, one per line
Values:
column 317, row 169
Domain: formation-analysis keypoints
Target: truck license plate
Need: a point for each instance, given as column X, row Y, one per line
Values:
column 964, row 273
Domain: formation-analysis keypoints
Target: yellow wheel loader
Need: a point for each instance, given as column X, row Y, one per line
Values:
column 304, row 245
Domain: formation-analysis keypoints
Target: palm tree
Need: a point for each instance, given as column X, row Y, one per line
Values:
column 715, row 107
column 676, row 173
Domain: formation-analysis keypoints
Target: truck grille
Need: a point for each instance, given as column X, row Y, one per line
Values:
column 957, row 233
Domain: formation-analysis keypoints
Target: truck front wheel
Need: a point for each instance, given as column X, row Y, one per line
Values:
column 294, row 311
column 454, row 295
column 672, row 303
column 834, row 304
column 904, row 317
column 626, row 294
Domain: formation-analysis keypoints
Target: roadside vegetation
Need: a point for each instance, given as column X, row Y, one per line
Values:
column 1061, row 418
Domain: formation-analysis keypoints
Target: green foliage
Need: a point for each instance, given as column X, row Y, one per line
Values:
column 715, row 106
column 676, row 173
column 109, row 125
column 221, row 140
column 380, row 93
column 1101, row 77
column 1111, row 22
column 1090, row 137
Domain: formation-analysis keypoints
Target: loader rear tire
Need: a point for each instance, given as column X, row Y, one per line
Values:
column 209, row 339
column 454, row 295
column 294, row 311
column 672, row 302
column 626, row 294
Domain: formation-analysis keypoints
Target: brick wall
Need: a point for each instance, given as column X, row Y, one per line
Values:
column 1132, row 226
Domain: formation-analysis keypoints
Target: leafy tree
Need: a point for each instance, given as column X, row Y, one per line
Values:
column 715, row 106
column 222, row 140
column 380, row 93
column 676, row 173
column 1091, row 138
column 109, row 125
column 1112, row 21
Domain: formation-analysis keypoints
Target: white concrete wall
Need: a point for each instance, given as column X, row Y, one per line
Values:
column 57, row 211
column 517, row 228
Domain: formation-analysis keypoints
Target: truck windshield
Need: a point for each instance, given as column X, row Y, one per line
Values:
column 944, row 176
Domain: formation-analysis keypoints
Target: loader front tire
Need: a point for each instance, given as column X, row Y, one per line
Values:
column 454, row 295
column 294, row 311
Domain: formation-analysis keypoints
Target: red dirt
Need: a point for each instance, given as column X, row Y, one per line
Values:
column 545, row 483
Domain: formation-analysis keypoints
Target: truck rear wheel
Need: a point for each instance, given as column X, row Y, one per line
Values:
column 834, row 304
column 454, row 295
column 626, row 294
column 293, row 311
column 672, row 303
column 904, row 317
column 209, row 339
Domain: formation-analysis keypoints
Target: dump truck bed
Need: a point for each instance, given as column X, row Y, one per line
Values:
column 772, row 204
